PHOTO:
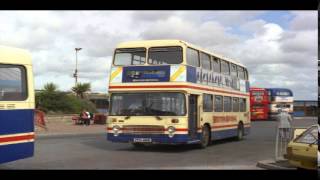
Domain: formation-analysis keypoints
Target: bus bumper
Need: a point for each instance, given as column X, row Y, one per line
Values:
column 155, row 139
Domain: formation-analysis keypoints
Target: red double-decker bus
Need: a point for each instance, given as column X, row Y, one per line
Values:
column 259, row 103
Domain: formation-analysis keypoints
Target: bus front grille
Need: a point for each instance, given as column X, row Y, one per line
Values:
column 143, row 129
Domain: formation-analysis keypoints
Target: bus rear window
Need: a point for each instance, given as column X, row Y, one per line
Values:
column 130, row 56
column 13, row 83
column 165, row 55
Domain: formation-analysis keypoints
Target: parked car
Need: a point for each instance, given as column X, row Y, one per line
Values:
column 302, row 151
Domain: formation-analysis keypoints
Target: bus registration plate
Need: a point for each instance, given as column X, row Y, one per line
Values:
column 142, row 140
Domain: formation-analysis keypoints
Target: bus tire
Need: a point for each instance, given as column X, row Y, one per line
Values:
column 240, row 132
column 205, row 137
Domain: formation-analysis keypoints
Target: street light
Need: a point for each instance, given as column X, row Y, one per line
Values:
column 75, row 75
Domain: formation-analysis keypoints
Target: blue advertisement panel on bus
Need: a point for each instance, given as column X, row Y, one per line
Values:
column 177, row 73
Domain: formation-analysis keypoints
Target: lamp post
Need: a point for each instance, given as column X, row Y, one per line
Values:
column 75, row 75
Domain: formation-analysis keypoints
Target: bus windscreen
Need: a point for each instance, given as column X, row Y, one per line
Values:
column 147, row 104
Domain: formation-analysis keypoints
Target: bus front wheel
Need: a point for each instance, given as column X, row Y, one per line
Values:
column 205, row 137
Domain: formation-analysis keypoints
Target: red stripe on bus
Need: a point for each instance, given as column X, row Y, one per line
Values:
column 16, row 138
column 175, row 86
column 177, row 129
column 229, row 125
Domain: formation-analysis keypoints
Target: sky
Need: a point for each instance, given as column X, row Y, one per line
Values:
column 279, row 48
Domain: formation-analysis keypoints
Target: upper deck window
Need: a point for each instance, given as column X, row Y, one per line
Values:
column 193, row 57
column 282, row 93
column 233, row 70
column 130, row 56
column 225, row 69
column 241, row 72
column 13, row 83
column 165, row 55
column 216, row 65
column 205, row 61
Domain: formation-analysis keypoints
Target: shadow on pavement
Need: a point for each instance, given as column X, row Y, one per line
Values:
column 103, row 144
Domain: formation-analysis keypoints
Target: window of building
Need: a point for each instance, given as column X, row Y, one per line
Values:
column 193, row 57
column 207, row 103
column 218, row 104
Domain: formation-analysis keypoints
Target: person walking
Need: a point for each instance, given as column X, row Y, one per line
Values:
column 40, row 118
column 284, row 133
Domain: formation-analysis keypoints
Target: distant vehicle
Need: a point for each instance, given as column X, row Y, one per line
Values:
column 280, row 98
column 302, row 151
column 259, row 103
column 172, row 92
column 17, row 103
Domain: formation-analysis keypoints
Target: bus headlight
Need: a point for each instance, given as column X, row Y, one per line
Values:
column 116, row 130
column 171, row 131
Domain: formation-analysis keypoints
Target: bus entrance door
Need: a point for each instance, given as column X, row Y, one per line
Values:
column 192, row 116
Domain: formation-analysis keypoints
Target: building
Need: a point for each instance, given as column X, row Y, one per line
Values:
column 100, row 100
column 305, row 108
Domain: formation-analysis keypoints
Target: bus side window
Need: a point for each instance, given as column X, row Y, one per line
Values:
column 216, row 65
column 227, row 104
column 243, row 107
column 235, row 104
column 13, row 83
column 193, row 57
column 241, row 73
column 207, row 103
column 205, row 61
column 246, row 74
column 218, row 104
column 233, row 70
column 225, row 69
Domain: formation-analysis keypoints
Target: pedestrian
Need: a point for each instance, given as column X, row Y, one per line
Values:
column 40, row 118
column 284, row 133
column 85, row 117
column 284, row 124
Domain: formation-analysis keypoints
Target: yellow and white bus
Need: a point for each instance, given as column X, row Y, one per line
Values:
column 16, row 105
column 172, row 92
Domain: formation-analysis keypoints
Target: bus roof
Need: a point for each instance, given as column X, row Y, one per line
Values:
column 171, row 42
column 10, row 55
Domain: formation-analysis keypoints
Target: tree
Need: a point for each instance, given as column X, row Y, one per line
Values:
column 50, row 88
column 81, row 88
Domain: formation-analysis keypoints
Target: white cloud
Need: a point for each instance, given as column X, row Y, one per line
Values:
column 276, row 55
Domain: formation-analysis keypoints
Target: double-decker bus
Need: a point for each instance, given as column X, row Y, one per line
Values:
column 172, row 92
column 259, row 103
column 280, row 98
column 16, row 105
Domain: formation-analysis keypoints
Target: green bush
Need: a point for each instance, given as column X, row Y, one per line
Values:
column 60, row 102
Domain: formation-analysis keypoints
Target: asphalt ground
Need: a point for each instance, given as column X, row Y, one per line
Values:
column 92, row 151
